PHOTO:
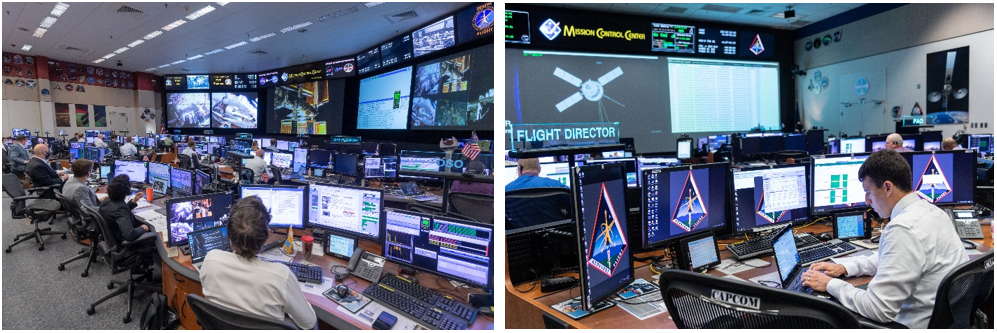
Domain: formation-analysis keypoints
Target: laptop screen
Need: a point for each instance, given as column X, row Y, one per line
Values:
column 786, row 255
column 410, row 188
column 206, row 240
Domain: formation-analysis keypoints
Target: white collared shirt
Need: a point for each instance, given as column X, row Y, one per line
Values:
column 128, row 149
column 916, row 250
column 99, row 143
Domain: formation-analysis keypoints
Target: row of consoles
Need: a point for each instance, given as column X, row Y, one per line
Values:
column 685, row 208
column 339, row 218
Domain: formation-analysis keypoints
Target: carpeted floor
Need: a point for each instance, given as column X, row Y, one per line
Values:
column 37, row 296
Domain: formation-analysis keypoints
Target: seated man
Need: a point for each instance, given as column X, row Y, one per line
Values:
column 128, row 149
column 99, row 141
column 118, row 213
column 950, row 144
column 895, row 142
column 240, row 281
column 525, row 212
column 917, row 249
column 476, row 168
column 41, row 173
column 76, row 188
column 257, row 164
column 529, row 176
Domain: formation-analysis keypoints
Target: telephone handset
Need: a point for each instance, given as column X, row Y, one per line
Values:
column 366, row 265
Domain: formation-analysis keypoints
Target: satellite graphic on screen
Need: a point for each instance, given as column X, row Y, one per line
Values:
column 933, row 186
column 689, row 210
column 188, row 110
column 234, row 110
column 297, row 106
column 608, row 241
column 590, row 90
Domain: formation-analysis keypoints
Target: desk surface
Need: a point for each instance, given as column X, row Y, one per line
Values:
column 326, row 310
column 528, row 307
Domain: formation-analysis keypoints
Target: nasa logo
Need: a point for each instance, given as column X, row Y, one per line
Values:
column 348, row 68
column 550, row 29
column 284, row 77
column 484, row 18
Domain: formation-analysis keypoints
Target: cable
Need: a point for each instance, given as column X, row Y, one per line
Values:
column 533, row 286
column 644, row 302
column 809, row 224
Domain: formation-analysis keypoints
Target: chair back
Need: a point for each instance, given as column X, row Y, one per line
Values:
column 246, row 176
column 538, row 205
column 76, row 222
column 12, row 186
column 275, row 173
column 479, row 207
column 961, row 294
column 215, row 317
column 109, row 238
column 705, row 301
column 185, row 162
column 424, row 208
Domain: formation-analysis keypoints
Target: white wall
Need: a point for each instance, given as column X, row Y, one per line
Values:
column 896, row 42
column 20, row 114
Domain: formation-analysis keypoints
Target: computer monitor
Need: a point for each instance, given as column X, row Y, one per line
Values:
column 795, row 142
column 849, row 225
column 557, row 171
column 262, row 143
column 181, row 182
column 318, row 172
column 340, row 246
column 716, row 141
column 656, row 162
column 352, row 210
column 105, row 172
column 698, row 252
column 546, row 159
column 852, row 145
column 292, row 145
column 286, row 203
column 943, row 177
column 300, row 161
column 835, row 184
column 982, row 143
column 136, row 170
column 815, row 142
column 185, row 215
column 321, row 159
column 369, row 149
column 205, row 240
column 541, row 250
column 21, row 131
column 418, row 164
column 772, row 143
column 268, row 157
column 242, row 145
column 765, row 197
column 877, row 145
column 751, row 145
column 201, row 180
column 631, row 169
column 932, row 145
column 90, row 139
column 282, row 145
column 456, row 249
column 159, row 177
column 684, row 148
column 281, row 160
column 604, row 251
column 512, row 172
column 683, row 200
column 346, row 164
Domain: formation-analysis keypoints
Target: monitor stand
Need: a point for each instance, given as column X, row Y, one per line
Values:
column 185, row 249
column 573, row 307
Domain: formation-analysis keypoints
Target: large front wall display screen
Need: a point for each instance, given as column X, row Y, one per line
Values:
column 722, row 96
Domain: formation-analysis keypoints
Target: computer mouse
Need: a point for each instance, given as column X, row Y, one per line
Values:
column 342, row 290
column 824, row 237
column 874, row 239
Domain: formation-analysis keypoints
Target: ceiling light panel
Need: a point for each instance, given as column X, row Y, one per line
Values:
column 48, row 22
column 200, row 12
column 174, row 25
column 109, row 56
column 26, row 47
column 296, row 27
column 199, row 56
column 178, row 62
column 59, row 9
column 257, row 39
column 121, row 50
column 136, row 43
column 152, row 35
column 40, row 32
column 371, row 4
column 99, row 61
column 236, row 45
column 213, row 52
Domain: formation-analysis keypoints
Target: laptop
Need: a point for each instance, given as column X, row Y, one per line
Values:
column 410, row 189
column 787, row 260
column 205, row 240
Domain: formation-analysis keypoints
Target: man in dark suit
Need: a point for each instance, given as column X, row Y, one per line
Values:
column 117, row 211
column 18, row 154
column 41, row 173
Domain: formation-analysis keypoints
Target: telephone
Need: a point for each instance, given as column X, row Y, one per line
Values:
column 966, row 223
column 366, row 265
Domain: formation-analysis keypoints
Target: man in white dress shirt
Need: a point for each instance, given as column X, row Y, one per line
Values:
column 128, row 149
column 99, row 141
column 918, row 247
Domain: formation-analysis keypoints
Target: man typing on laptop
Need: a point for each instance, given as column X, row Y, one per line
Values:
column 917, row 249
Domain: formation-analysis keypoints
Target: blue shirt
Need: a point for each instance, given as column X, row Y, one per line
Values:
column 531, row 180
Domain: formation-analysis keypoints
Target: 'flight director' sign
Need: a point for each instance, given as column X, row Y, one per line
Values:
column 532, row 136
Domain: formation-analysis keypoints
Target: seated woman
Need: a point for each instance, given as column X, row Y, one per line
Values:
column 118, row 213
column 240, row 281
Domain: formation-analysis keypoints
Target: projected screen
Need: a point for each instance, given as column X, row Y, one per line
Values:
column 742, row 95
column 234, row 110
column 188, row 110
column 455, row 92
column 434, row 37
column 313, row 108
column 384, row 100
column 197, row 82
column 565, row 87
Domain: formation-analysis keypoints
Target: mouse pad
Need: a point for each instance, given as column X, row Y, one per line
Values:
column 353, row 302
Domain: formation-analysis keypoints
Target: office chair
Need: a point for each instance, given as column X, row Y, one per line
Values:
column 135, row 257
column 538, row 205
column 423, row 208
column 275, row 175
column 185, row 162
column 81, row 228
column 961, row 294
column 116, row 151
column 479, row 207
column 216, row 317
column 6, row 161
column 246, row 176
column 705, row 301
column 553, row 323
column 38, row 210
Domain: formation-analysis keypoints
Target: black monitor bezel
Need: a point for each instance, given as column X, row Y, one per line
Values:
column 675, row 238
column 325, row 244
column 866, row 228
column 687, row 254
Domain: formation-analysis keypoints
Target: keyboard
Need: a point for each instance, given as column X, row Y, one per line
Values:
column 762, row 246
column 304, row 273
column 423, row 305
column 831, row 249
column 160, row 210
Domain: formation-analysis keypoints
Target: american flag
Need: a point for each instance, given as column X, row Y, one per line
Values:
column 471, row 149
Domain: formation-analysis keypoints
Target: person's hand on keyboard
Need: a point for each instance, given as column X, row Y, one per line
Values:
column 816, row 280
column 830, row 269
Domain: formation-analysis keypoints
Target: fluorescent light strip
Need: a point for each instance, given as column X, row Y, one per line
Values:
column 48, row 22
column 164, row 66
column 199, row 56
column 150, row 69
column 257, row 39
column 121, row 50
column 40, row 32
column 26, row 47
column 213, row 52
column 222, row 3
column 135, row 43
column 296, row 27
column 59, row 9
column 177, row 62
column 371, row 4
column 236, row 45
column 110, row 55
column 152, row 35
column 200, row 12
column 99, row 60
column 174, row 25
